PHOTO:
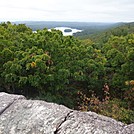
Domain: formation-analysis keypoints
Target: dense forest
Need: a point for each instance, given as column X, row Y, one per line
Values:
column 103, row 33
column 96, row 73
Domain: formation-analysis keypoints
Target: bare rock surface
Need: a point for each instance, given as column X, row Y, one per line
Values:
column 21, row 116
column 6, row 100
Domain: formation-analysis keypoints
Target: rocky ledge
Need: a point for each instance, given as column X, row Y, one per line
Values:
column 21, row 116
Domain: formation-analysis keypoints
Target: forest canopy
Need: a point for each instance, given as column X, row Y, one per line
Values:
column 81, row 74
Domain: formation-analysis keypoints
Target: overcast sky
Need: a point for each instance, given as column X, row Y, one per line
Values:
column 67, row 10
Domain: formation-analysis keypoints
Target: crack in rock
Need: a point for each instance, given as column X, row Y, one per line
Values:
column 7, row 100
column 2, row 111
column 58, row 127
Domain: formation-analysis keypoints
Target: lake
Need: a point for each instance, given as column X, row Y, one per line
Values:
column 72, row 30
column 67, row 33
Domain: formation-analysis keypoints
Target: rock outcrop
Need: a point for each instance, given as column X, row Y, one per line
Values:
column 21, row 116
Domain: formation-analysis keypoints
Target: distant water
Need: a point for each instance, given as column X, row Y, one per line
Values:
column 68, row 33
column 65, row 33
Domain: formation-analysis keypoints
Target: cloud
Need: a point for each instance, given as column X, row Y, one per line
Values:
column 67, row 10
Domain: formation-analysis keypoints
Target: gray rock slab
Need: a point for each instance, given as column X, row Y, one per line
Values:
column 90, row 123
column 7, row 99
column 21, row 116
column 32, row 117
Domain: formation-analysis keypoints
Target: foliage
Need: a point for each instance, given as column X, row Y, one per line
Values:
column 80, row 74
column 47, row 64
column 115, row 108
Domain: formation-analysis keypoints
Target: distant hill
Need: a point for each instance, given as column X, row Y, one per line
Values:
column 121, row 30
column 85, row 26
column 95, row 29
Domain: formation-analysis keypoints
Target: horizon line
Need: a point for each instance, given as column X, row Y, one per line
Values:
column 66, row 21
